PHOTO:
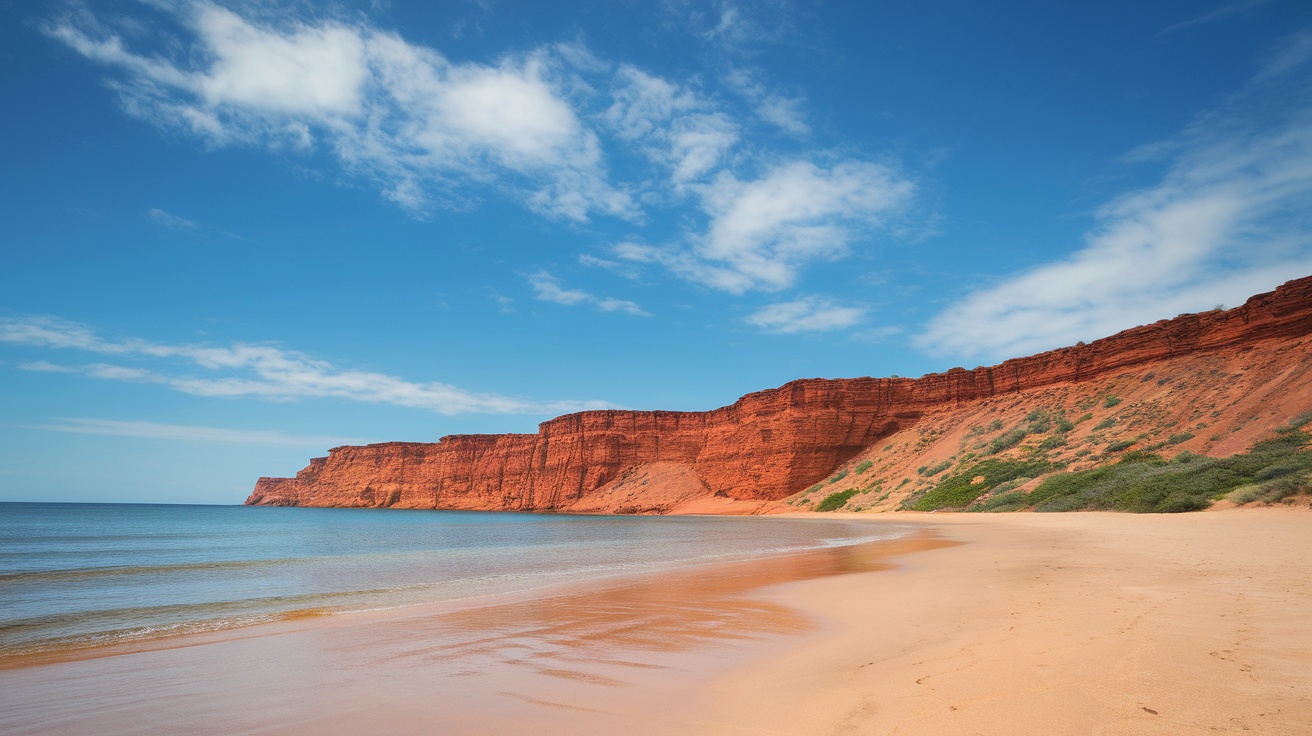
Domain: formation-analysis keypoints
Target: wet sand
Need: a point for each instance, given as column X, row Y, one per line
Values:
column 992, row 624
column 630, row 655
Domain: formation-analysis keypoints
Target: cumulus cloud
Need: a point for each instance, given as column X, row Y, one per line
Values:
column 399, row 113
column 194, row 433
column 264, row 372
column 762, row 231
column 1227, row 220
column 548, row 288
column 808, row 314
column 534, row 126
column 676, row 127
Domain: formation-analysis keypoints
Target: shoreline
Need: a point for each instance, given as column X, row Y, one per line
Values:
column 977, row 623
column 209, row 631
column 597, row 656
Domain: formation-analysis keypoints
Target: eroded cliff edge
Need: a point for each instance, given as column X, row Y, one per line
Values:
column 763, row 447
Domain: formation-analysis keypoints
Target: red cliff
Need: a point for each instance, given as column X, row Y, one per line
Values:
column 763, row 447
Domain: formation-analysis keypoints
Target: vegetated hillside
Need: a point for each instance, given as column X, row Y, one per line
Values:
column 1175, row 435
column 1211, row 384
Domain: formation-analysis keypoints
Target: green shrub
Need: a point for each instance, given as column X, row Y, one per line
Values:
column 1052, row 443
column 1064, row 425
column 1012, row 501
column 1105, row 424
column 1039, row 420
column 863, row 466
column 838, row 476
column 1143, row 482
column 1084, row 418
column 958, row 490
column 1176, row 439
column 934, row 470
column 1118, row 446
column 835, row 501
column 1007, row 441
column 1111, row 401
column 1142, row 456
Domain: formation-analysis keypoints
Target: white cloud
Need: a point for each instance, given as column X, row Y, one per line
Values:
column 785, row 113
column 401, row 114
column 698, row 144
column 264, row 372
column 194, row 433
column 643, row 103
column 1227, row 220
column 1222, row 12
column 312, row 71
column 808, row 314
column 548, row 288
column 532, row 126
column 170, row 220
column 730, row 25
column 41, row 366
column 610, row 304
column 762, row 232
column 675, row 126
column 1294, row 52
column 781, row 111
column 739, row 26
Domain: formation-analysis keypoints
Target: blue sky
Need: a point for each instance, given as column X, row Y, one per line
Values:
column 236, row 235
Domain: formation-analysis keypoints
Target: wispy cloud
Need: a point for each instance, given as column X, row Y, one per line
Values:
column 548, row 288
column 1224, row 11
column 1227, row 220
column 1294, row 52
column 808, row 314
column 168, row 219
column 194, row 433
column 763, row 231
column 267, row 372
column 782, row 111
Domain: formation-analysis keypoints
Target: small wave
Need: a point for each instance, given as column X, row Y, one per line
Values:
column 140, row 634
column 80, row 573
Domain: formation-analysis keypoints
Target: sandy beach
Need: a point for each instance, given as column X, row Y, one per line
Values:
column 1085, row 623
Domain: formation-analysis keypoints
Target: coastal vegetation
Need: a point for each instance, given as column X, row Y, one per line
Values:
column 835, row 501
column 1145, row 482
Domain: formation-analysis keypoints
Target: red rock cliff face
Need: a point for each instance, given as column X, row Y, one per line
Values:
column 765, row 446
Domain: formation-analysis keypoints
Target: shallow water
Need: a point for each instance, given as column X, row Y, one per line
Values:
column 74, row 576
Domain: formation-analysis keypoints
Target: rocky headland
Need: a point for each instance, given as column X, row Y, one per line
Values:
column 1210, row 384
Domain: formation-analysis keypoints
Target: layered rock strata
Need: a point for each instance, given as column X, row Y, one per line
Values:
column 765, row 446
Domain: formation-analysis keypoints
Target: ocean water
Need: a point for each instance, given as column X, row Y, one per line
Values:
column 87, row 575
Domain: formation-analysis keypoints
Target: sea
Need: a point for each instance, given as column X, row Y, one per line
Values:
column 81, row 576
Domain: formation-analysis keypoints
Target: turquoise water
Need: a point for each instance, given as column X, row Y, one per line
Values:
column 76, row 575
